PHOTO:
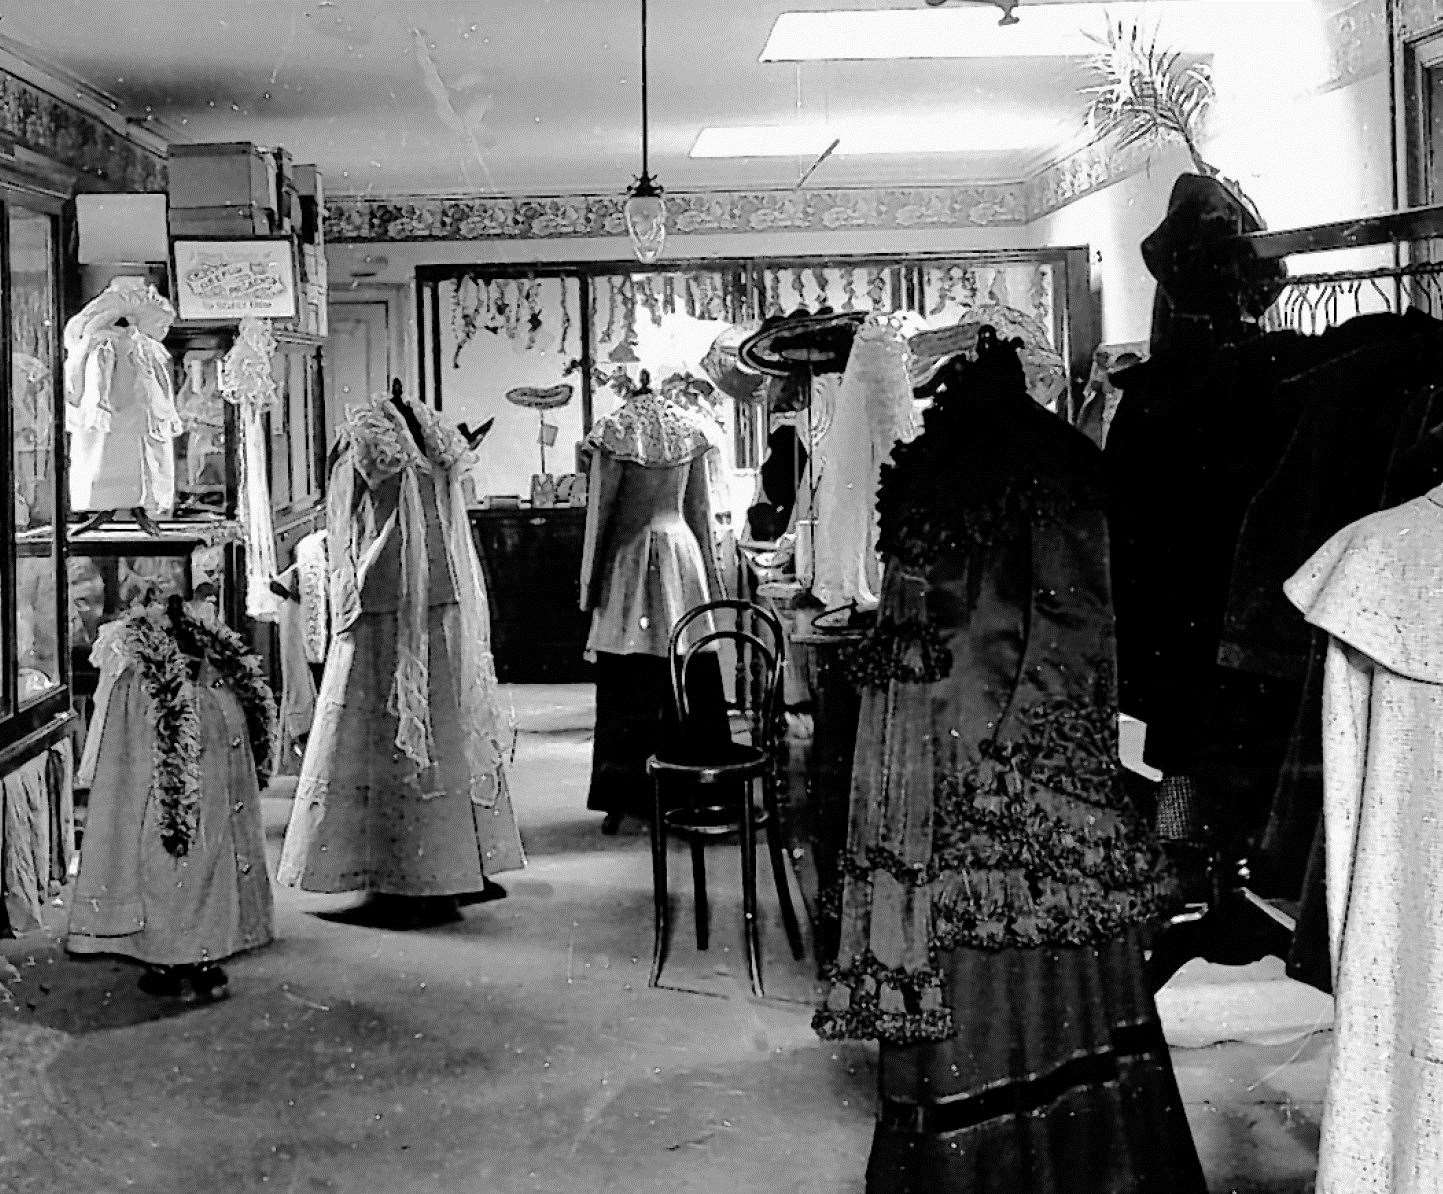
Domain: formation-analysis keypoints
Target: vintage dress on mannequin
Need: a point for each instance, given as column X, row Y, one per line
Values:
column 403, row 787
column 997, row 878
column 1376, row 589
column 121, row 404
column 647, row 559
column 173, row 869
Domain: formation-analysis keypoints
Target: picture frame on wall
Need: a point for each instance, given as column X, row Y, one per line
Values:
column 219, row 279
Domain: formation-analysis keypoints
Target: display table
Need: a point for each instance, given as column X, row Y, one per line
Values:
column 531, row 559
column 822, row 813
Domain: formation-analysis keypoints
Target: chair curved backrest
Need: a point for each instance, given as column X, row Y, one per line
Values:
column 739, row 606
column 766, row 659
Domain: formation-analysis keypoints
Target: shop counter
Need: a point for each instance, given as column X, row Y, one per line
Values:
column 531, row 559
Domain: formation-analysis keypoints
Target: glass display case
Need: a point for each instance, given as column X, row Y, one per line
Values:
column 199, row 551
column 547, row 350
column 499, row 340
column 34, row 665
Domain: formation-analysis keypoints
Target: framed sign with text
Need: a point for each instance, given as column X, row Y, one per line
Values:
column 230, row 279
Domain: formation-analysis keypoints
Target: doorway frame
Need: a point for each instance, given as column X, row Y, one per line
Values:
column 400, row 334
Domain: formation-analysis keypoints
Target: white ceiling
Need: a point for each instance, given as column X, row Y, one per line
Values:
column 344, row 84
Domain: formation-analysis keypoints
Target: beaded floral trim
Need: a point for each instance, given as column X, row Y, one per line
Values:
column 909, row 651
column 883, row 1003
column 1008, row 871
column 165, row 678
column 942, row 494
column 920, row 532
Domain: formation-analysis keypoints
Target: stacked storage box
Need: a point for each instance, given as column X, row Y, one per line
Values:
column 236, row 189
column 225, row 189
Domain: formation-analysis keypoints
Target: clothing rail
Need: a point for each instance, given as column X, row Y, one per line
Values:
column 1396, row 228
column 1311, row 303
column 1236, row 925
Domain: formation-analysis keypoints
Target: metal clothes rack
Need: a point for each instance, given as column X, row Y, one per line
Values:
column 1311, row 303
column 1237, row 925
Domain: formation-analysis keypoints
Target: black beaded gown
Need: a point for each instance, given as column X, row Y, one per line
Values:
column 998, row 883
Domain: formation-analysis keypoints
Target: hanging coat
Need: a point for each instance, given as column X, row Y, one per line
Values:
column 1376, row 588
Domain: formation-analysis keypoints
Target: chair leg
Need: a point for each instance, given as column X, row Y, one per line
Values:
column 749, row 892
column 698, row 879
column 662, row 928
column 779, row 868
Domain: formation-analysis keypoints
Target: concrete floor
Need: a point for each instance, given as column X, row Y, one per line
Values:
column 521, row 1050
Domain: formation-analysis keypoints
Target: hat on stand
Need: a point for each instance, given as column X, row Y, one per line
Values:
column 817, row 342
column 1045, row 369
column 722, row 364
column 1203, row 266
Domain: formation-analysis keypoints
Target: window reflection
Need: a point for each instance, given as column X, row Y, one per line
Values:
column 501, row 335
column 33, row 389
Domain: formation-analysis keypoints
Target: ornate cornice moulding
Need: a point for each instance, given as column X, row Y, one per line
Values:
column 1417, row 17
column 404, row 218
column 1357, row 39
column 68, row 137
column 1081, row 173
column 873, row 209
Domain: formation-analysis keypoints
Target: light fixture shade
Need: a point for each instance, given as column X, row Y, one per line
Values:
column 646, row 220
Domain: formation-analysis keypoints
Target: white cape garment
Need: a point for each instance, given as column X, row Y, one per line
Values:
column 1377, row 589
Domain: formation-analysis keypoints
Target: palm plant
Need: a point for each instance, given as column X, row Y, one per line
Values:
column 1144, row 94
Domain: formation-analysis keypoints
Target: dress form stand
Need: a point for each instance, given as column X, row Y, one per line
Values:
column 100, row 517
column 413, row 424
column 473, row 438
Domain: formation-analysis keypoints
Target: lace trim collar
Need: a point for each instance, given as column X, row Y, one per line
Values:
column 378, row 433
column 653, row 431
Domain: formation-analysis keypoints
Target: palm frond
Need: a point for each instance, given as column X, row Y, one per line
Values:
column 1143, row 94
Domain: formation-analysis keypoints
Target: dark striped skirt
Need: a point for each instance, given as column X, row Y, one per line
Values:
column 636, row 717
column 1058, row 1082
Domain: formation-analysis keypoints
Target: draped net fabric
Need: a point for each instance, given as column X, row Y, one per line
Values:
column 380, row 447
column 246, row 381
column 872, row 410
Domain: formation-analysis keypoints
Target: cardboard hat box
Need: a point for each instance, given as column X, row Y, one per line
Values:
column 237, row 220
column 222, row 174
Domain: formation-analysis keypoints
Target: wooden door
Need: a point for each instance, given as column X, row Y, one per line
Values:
column 358, row 357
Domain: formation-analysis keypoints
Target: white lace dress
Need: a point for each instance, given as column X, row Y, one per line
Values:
column 403, row 786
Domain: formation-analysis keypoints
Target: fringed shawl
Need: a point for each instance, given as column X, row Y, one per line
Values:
column 378, row 445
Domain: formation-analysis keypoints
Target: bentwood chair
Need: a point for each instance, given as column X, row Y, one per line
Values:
column 712, row 785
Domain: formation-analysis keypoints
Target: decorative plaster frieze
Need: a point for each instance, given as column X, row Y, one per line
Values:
column 65, row 135
column 364, row 218
column 1357, row 39
column 1081, row 173
column 1417, row 17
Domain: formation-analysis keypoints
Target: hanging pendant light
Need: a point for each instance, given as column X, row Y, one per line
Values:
column 645, row 208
